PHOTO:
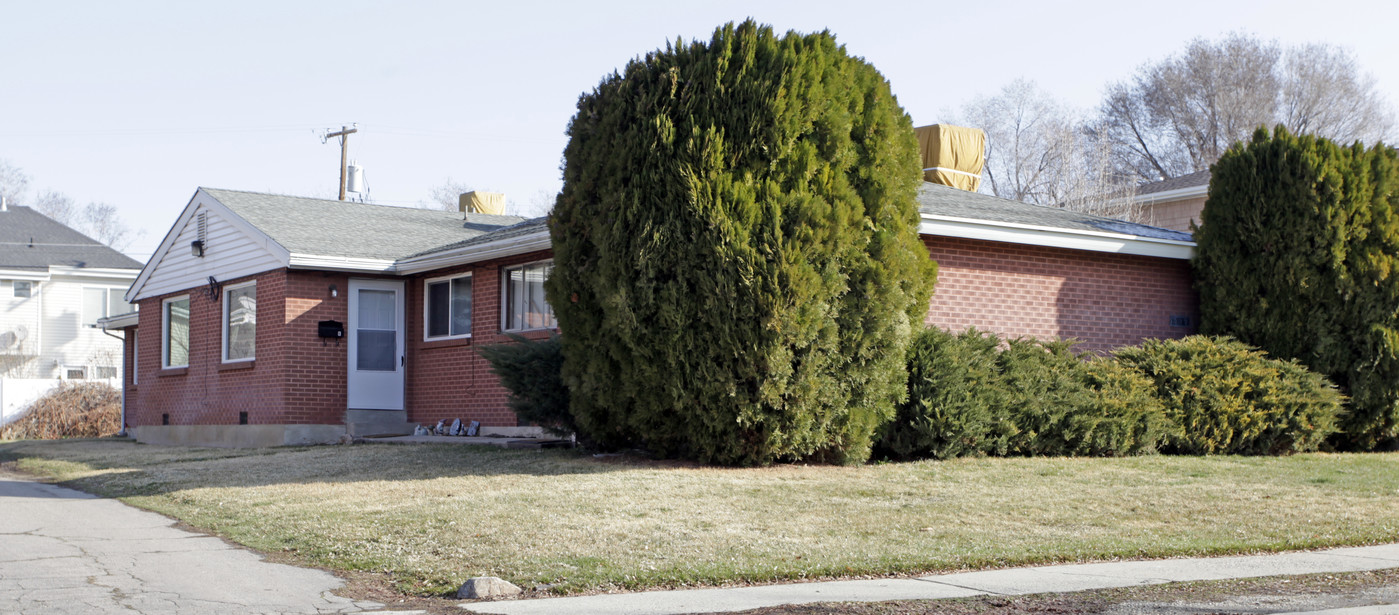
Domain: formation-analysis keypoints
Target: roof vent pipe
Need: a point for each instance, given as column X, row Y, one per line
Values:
column 4, row 203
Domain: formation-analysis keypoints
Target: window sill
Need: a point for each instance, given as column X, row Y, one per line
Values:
column 173, row 371
column 532, row 334
column 240, row 365
column 449, row 343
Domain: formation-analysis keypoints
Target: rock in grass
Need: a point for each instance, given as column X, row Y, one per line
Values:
column 487, row 587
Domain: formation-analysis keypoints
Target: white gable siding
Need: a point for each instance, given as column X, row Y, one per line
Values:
column 229, row 253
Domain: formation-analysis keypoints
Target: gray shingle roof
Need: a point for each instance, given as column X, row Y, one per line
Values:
column 355, row 230
column 30, row 240
column 528, row 227
column 940, row 200
column 1198, row 178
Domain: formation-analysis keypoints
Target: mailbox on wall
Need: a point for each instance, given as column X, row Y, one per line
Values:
column 331, row 328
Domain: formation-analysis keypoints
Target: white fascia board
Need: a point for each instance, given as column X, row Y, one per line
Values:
column 1179, row 194
column 120, row 321
column 202, row 198
column 28, row 275
column 86, row 272
column 1093, row 241
column 340, row 263
column 490, row 250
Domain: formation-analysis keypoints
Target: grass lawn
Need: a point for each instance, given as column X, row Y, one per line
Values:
column 431, row 516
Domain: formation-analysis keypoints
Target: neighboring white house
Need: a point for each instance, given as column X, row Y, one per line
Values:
column 55, row 283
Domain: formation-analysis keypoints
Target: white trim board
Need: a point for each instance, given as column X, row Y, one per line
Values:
column 1073, row 239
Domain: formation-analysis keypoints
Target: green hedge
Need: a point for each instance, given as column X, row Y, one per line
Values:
column 1227, row 397
column 975, row 394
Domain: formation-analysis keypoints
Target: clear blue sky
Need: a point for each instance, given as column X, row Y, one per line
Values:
column 137, row 104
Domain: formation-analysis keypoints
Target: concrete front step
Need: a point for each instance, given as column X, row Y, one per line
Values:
column 361, row 423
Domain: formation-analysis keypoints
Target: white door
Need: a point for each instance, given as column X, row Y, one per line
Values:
column 376, row 345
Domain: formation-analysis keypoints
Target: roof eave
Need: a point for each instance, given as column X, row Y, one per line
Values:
column 1188, row 192
column 489, row 250
column 120, row 321
column 1025, row 234
column 322, row 262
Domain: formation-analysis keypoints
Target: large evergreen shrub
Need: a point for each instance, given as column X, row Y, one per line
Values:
column 1226, row 397
column 1299, row 254
column 737, row 264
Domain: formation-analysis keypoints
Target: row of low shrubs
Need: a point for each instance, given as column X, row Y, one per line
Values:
column 974, row 393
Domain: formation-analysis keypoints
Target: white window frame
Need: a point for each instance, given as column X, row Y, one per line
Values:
column 505, row 298
column 165, row 331
column 223, row 323
column 14, row 292
column 107, row 293
column 426, row 305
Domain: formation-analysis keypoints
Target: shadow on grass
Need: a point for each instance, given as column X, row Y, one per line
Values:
column 120, row 468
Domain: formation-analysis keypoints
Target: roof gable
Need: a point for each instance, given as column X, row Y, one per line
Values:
column 31, row 240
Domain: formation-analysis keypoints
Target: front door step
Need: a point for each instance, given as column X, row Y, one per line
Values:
column 363, row 423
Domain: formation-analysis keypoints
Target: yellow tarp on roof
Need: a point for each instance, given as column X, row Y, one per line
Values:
column 952, row 155
column 478, row 202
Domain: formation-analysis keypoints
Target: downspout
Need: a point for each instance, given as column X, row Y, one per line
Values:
column 121, row 432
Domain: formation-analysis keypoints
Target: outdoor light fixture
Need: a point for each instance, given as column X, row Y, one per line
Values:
column 334, row 292
column 196, row 248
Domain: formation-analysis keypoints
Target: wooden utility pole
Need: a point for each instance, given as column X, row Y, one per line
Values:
column 344, row 135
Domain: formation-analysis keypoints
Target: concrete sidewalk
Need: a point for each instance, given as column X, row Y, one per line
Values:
column 64, row 551
column 1013, row 581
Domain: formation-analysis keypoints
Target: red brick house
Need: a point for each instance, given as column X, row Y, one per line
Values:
column 269, row 320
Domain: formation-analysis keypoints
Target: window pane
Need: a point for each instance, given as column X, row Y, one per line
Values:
column 94, row 305
column 115, row 304
column 23, row 288
column 526, row 307
column 241, row 328
column 376, row 310
column 461, row 306
column 438, row 303
column 515, row 306
column 177, row 333
column 376, row 350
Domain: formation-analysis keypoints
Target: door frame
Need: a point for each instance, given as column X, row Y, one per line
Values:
column 389, row 385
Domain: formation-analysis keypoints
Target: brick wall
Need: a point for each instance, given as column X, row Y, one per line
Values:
column 449, row 379
column 209, row 392
column 1105, row 300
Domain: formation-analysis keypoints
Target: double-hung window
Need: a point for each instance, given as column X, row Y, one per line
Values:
column 239, row 322
column 447, row 308
column 522, row 298
column 174, row 329
column 23, row 288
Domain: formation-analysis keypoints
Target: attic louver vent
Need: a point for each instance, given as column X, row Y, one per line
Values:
column 202, row 227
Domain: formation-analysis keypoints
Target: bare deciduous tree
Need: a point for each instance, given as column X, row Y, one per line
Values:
column 446, row 196
column 14, row 182
column 57, row 206
column 1038, row 152
column 1178, row 115
column 1325, row 93
column 101, row 222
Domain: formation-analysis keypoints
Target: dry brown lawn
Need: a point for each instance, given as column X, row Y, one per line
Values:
column 431, row 516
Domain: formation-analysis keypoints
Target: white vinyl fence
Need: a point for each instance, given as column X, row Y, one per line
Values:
column 17, row 393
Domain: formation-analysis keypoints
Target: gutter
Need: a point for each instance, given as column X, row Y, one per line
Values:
column 1054, row 237
column 1166, row 195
